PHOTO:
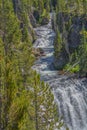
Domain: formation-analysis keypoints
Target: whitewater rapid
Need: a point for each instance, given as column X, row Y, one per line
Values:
column 70, row 94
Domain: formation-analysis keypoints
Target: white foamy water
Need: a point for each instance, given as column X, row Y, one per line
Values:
column 70, row 94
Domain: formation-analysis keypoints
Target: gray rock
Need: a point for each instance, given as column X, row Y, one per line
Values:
column 61, row 60
column 74, row 37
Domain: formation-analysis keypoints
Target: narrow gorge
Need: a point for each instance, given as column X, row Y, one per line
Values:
column 43, row 64
column 70, row 93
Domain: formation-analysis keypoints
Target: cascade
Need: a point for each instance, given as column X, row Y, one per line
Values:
column 70, row 94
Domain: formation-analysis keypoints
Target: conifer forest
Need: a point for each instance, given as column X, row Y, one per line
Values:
column 43, row 64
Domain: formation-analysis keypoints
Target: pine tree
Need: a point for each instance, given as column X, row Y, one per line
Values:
column 26, row 102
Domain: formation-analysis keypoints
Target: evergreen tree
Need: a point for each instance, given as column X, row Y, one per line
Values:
column 26, row 102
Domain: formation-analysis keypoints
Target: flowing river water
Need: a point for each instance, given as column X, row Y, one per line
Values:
column 70, row 94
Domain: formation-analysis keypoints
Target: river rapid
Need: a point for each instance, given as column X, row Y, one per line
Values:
column 70, row 94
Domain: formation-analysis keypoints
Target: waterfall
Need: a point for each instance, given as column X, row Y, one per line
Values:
column 70, row 93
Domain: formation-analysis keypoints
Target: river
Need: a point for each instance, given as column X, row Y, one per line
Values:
column 70, row 94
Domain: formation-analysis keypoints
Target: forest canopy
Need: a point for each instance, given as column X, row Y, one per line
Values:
column 26, row 103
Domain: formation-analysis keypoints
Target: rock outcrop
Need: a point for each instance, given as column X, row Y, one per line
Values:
column 70, row 28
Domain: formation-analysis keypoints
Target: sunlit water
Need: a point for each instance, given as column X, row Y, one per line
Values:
column 70, row 94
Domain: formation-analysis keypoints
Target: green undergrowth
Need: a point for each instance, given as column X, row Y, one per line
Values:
column 71, row 69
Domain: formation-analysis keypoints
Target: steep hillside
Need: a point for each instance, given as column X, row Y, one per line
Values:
column 71, row 36
column 26, row 103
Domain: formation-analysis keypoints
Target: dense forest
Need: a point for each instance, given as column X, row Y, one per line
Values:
column 26, row 102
